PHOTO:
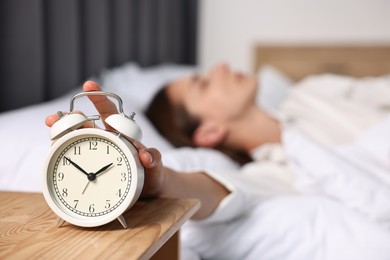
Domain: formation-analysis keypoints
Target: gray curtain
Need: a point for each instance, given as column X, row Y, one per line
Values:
column 50, row 46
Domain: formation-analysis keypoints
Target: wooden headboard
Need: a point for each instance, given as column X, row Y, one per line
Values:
column 48, row 47
column 300, row 61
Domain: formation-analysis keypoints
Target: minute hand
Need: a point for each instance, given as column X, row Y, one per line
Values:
column 75, row 165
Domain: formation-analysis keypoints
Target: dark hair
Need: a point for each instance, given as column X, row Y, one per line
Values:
column 178, row 126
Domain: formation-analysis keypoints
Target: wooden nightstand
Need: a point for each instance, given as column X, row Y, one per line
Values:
column 28, row 231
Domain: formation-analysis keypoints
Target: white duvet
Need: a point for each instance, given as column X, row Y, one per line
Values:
column 342, row 209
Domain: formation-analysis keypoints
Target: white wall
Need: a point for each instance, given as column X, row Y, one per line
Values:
column 229, row 29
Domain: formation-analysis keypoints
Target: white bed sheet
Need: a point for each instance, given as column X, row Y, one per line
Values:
column 317, row 227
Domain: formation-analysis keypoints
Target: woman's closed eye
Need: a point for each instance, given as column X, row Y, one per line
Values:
column 200, row 82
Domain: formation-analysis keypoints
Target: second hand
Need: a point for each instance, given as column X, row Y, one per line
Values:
column 85, row 187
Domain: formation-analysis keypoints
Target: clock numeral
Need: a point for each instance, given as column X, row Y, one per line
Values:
column 77, row 150
column 60, row 176
column 92, row 208
column 119, row 193
column 123, row 174
column 119, row 159
column 65, row 161
column 108, row 149
column 64, row 192
column 93, row 145
column 76, row 202
column 108, row 204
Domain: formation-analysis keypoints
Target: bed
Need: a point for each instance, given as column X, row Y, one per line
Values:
column 136, row 74
column 300, row 61
column 20, row 166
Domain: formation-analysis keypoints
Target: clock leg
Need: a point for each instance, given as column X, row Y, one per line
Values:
column 122, row 220
column 60, row 222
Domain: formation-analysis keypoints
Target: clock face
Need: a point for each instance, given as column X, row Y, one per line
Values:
column 91, row 176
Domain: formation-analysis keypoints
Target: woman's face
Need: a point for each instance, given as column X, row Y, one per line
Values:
column 221, row 94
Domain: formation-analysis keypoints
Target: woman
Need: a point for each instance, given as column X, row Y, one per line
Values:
column 218, row 110
column 215, row 110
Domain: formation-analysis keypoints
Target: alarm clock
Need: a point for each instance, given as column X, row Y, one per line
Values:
column 92, row 176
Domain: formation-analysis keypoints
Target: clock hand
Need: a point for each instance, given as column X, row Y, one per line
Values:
column 103, row 169
column 75, row 165
column 85, row 187
column 92, row 176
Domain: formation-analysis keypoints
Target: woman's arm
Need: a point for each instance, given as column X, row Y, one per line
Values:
column 165, row 182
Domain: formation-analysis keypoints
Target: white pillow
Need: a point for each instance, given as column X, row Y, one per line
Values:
column 273, row 87
column 138, row 85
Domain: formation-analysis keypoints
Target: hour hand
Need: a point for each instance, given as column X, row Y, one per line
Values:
column 103, row 169
column 75, row 165
column 92, row 176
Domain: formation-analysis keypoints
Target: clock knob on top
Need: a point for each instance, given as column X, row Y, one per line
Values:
column 66, row 124
column 125, row 125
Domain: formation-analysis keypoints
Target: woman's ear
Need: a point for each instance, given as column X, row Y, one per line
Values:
column 209, row 134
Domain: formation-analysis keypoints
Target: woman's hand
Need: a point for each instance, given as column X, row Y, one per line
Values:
column 154, row 172
column 149, row 157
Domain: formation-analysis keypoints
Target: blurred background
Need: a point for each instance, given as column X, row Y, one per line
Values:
column 50, row 46
column 229, row 29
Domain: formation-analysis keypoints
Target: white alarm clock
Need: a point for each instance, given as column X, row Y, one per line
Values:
column 92, row 176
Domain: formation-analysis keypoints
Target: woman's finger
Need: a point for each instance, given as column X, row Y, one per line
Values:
column 150, row 158
column 103, row 104
column 51, row 119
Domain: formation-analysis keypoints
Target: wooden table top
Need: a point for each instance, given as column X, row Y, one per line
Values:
column 28, row 230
